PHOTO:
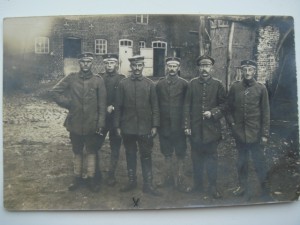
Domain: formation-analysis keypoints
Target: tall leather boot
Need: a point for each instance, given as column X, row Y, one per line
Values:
column 111, row 179
column 180, row 183
column 131, row 170
column 169, row 178
column 115, row 144
column 147, row 177
column 98, row 174
column 266, row 191
column 241, row 189
column 132, row 183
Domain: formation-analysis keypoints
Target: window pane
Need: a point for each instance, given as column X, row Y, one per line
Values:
column 42, row 45
column 100, row 46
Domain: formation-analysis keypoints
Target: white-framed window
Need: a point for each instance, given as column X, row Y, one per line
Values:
column 142, row 19
column 218, row 23
column 41, row 45
column 159, row 44
column 126, row 42
column 100, row 46
column 142, row 44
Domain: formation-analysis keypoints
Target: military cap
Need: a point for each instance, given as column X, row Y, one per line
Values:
column 248, row 63
column 173, row 60
column 205, row 59
column 136, row 58
column 110, row 57
column 87, row 55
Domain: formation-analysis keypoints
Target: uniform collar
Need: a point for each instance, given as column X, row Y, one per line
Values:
column 85, row 76
column 110, row 74
column 140, row 77
column 207, row 81
column 249, row 83
column 172, row 80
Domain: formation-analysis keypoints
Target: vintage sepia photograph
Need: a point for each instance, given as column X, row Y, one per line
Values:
column 149, row 111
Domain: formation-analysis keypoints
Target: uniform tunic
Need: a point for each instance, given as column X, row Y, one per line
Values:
column 249, row 110
column 171, row 94
column 249, row 116
column 137, row 106
column 204, row 96
column 84, row 95
column 111, row 83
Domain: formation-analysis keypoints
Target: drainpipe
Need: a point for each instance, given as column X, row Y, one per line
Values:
column 229, row 56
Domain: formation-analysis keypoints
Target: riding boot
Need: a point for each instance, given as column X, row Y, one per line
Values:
column 98, row 174
column 213, row 191
column 132, row 183
column 169, row 178
column 115, row 144
column 266, row 191
column 241, row 189
column 180, row 182
column 131, row 169
column 111, row 180
column 147, row 177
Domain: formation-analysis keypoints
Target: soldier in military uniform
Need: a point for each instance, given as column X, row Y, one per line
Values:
column 84, row 95
column 203, row 108
column 137, row 119
column 249, row 118
column 111, row 79
column 171, row 92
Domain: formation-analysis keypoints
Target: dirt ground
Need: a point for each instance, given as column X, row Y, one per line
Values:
column 38, row 167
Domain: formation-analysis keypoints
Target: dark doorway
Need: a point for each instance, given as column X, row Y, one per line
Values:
column 72, row 47
column 159, row 62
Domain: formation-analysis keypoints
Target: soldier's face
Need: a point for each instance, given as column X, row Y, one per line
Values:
column 137, row 68
column 85, row 65
column 173, row 69
column 248, row 72
column 205, row 69
column 110, row 66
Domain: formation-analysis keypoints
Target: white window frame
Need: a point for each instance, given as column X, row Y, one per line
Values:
column 142, row 44
column 100, row 46
column 159, row 44
column 41, row 45
column 218, row 23
column 126, row 43
column 142, row 18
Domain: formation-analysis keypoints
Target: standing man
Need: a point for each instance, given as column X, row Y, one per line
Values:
column 84, row 95
column 111, row 79
column 137, row 119
column 171, row 92
column 204, row 106
column 249, row 118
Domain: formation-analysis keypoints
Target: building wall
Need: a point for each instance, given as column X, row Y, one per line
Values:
column 267, row 62
column 173, row 29
column 250, row 41
column 243, row 46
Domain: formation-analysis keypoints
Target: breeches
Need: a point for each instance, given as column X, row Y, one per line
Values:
column 205, row 156
column 169, row 144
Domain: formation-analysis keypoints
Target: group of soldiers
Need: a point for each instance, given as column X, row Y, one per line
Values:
column 134, row 109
